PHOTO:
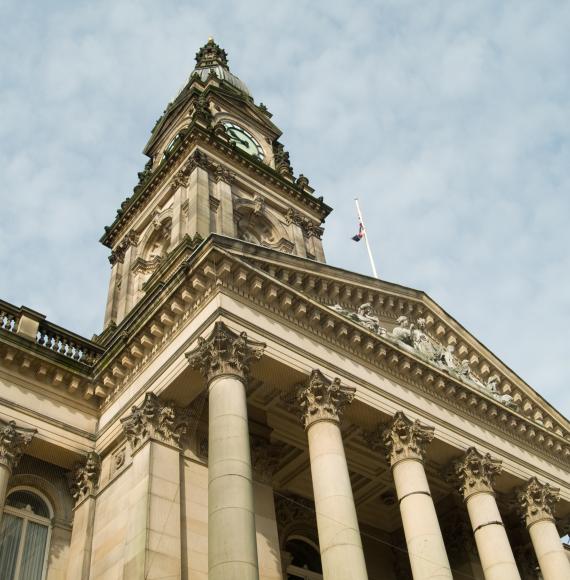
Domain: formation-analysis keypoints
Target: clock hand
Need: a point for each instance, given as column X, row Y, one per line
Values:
column 237, row 138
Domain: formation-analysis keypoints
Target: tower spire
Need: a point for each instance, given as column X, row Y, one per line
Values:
column 211, row 55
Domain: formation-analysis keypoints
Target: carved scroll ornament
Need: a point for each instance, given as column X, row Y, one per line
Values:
column 225, row 353
column 85, row 477
column 154, row 419
column 13, row 441
column 406, row 439
column 474, row 472
column 537, row 501
column 323, row 400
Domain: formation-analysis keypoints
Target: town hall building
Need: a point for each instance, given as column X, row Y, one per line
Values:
column 250, row 412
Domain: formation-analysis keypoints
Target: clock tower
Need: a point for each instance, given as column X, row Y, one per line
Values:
column 216, row 166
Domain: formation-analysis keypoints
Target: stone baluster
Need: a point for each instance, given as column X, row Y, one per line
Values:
column 84, row 483
column 405, row 442
column 537, row 501
column 475, row 474
column 223, row 359
column 322, row 403
column 13, row 441
column 153, row 542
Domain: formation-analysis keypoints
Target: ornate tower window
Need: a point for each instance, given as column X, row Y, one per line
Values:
column 24, row 536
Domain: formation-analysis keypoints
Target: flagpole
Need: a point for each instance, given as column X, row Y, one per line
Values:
column 366, row 238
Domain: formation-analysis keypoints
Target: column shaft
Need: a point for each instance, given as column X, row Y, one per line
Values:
column 5, row 474
column 493, row 545
column 339, row 536
column 81, row 540
column 549, row 551
column 232, row 549
column 428, row 557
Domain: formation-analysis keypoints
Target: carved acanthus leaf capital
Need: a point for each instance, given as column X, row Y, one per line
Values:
column 265, row 457
column 225, row 352
column 85, row 477
column 13, row 441
column 323, row 400
column 537, row 501
column 474, row 472
column 157, row 420
column 406, row 439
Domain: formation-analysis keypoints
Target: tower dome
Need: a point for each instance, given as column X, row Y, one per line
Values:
column 211, row 58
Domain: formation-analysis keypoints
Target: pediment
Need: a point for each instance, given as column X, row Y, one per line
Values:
column 426, row 341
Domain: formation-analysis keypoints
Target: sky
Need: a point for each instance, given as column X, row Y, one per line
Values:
column 449, row 120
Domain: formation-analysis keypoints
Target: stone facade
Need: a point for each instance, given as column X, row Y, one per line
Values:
column 251, row 412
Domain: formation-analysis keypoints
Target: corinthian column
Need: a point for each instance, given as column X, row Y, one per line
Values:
column 537, row 502
column 475, row 473
column 13, row 441
column 84, row 483
column 223, row 359
column 405, row 442
column 322, row 403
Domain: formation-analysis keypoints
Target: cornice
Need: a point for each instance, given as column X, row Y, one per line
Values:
column 195, row 135
column 214, row 269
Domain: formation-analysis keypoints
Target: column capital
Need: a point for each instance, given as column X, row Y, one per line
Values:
column 85, row 477
column 224, row 353
column 474, row 472
column 13, row 441
column 157, row 420
column 406, row 439
column 537, row 501
column 323, row 400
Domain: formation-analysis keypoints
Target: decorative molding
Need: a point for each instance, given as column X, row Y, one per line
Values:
column 474, row 473
column 323, row 400
column 118, row 254
column 13, row 441
column 155, row 420
column 224, row 353
column 537, row 501
column 308, row 227
column 295, row 515
column 85, row 478
column 265, row 457
column 405, row 439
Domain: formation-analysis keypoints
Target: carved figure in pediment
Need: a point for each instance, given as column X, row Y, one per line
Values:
column 425, row 346
column 491, row 386
column 402, row 331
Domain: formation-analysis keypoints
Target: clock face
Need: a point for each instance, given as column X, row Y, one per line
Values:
column 243, row 140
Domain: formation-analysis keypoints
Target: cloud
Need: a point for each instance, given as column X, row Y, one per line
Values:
column 448, row 120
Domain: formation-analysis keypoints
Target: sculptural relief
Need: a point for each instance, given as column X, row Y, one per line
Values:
column 412, row 337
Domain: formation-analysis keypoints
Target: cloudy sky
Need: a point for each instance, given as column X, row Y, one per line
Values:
column 450, row 120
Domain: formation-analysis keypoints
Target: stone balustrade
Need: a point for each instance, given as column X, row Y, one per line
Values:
column 67, row 344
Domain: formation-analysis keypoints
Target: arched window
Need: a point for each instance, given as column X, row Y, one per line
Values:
column 305, row 561
column 24, row 536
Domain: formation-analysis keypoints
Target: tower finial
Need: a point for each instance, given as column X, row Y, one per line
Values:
column 211, row 55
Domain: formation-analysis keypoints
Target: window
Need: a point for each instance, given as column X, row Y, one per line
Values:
column 24, row 536
column 305, row 561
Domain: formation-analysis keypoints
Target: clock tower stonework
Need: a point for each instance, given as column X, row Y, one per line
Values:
column 216, row 165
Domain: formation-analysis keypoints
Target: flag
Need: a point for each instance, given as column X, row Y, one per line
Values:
column 360, row 233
